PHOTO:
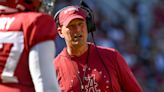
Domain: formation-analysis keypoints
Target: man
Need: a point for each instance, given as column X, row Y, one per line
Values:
column 85, row 67
column 26, row 48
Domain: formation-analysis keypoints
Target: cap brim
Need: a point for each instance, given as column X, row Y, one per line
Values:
column 70, row 18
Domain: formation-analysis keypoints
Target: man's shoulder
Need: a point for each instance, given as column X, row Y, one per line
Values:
column 102, row 48
column 61, row 56
column 107, row 48
column 104, row 51
column 34, row 15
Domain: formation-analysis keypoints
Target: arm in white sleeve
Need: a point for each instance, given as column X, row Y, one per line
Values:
column 42, row 69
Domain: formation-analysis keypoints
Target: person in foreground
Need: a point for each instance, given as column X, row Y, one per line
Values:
column 84, row 67
column 26, row 48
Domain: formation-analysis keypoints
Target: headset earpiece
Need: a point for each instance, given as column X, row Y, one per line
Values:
column 89, row 19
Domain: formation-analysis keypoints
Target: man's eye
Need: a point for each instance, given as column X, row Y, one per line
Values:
column 70, row 26
column 80, row 24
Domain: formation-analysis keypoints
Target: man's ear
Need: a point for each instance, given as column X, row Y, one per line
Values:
column 60, row 32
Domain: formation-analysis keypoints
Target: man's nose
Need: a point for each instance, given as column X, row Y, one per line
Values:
column 78, row 28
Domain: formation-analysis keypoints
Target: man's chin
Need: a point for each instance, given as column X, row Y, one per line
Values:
column 77, row 43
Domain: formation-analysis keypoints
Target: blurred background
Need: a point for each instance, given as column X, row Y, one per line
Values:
column 136, row 29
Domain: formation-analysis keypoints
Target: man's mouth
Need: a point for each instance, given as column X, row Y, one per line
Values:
column 77, row 37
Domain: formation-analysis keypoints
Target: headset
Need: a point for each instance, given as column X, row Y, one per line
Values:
column 89, row 18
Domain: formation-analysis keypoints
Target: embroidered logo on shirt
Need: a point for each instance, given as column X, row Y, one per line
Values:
column 92, row 84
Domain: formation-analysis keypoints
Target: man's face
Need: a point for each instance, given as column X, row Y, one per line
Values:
column 75, row 33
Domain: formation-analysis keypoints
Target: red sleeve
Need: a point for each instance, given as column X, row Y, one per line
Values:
column 127, row 80
column 59, row 73
column 38, row 27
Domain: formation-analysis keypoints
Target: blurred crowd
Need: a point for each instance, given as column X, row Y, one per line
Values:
column 136, row 29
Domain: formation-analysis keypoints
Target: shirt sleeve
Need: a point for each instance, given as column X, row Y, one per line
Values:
column 59, row 72
column 42, row 69
column 38, row 27
column 127, row 80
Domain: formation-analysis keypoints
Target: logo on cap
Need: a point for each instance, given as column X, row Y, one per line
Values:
column 71, row 9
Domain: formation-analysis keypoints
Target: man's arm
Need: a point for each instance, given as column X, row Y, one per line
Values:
column 128, row 82
column 41, row 67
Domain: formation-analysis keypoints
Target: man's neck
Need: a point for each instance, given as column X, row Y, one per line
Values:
column 73, row 51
